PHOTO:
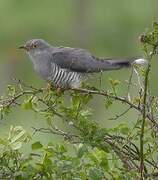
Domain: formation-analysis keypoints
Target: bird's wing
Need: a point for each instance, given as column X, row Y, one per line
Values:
column 74, row 59
column 80, row 60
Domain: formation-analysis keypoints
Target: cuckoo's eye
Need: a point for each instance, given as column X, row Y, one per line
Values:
column 34, row 45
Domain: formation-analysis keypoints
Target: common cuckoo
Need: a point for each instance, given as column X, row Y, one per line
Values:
column 67, row 67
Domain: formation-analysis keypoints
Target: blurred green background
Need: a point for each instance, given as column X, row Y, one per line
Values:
column 107, row 28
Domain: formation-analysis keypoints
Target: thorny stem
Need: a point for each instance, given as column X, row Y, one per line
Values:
column 143, row 122
column 149, row 56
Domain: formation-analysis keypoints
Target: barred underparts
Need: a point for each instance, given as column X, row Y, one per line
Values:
column 65, row 78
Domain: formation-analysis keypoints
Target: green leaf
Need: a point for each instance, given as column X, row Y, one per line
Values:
column 114, row 82
column 27, row 105
column 36, row 145
column 82, row 150
column 108, row 102
column 47, row 161
column 87, row 98
column 17, row 133
column 3, row 142
column 30, row 103
column 76, row 102
column 16, row 145
column 95, row 174
column 11, row 90
column 17, row 137
column 124, row 129
column 86, row 113
column 62, row 148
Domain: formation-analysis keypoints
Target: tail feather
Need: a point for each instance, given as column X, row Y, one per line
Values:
column 111, row 64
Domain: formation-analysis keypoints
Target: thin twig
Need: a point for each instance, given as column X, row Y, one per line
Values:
column 120, row 115
column 57, row 131
column 129, row 85
column 143, row 122
column 117, row 98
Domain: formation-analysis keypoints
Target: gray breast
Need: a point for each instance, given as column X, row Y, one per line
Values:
column 64, row 78
column 41, row 62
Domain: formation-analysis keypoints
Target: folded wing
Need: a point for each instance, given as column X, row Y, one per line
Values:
column 80, row 60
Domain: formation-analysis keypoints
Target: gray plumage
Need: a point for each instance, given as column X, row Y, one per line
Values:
column 67, row 67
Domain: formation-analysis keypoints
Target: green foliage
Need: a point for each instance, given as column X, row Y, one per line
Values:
column 36, row 145
column 50, row 161
column 53, row 161
column 87, row 150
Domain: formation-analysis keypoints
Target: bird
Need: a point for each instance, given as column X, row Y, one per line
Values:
column 67, row 67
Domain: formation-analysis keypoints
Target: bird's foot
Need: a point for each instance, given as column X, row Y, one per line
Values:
column 47, row 90
column 48, row 87
column 59, row 91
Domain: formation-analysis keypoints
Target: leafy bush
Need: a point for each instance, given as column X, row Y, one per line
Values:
column 88, row 151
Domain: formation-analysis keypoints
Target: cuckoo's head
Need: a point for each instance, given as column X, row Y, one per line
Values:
column 35, row 45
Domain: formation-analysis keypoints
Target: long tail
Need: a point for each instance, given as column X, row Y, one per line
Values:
column 111, row 64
